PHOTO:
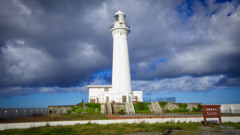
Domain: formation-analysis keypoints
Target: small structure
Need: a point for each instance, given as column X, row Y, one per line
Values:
column 102, row 94
column 211, row 111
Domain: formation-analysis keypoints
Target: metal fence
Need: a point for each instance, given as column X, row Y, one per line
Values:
column 42, row 114
column 159, row 99
column 9, row 113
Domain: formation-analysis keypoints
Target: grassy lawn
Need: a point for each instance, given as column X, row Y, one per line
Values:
column 116, row 129
column 141, row 107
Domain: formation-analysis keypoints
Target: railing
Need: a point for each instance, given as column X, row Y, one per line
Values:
column 127, row 26
column 9, row 113
column 159, row 99
column 97, row 116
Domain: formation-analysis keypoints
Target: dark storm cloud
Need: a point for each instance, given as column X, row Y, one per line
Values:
column 54, row 36
column 50, row 45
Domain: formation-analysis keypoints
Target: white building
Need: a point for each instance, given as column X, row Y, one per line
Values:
column 121, row 89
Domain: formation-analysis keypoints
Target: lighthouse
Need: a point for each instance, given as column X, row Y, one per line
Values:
column 121, row 77
column 121, row 90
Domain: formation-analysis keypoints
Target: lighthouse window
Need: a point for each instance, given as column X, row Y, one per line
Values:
column 116, row 18
column 121, row 17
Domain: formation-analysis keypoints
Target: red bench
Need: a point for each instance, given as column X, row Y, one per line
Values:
column 211, row 111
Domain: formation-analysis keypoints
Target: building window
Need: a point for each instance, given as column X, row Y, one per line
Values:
column 106, row 89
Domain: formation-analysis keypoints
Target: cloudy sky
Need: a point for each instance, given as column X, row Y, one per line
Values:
column 51, row 49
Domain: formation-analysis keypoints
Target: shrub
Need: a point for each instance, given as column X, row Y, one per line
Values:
column 90, row 110
column 79, row 105
column 69, row 112
column 79, row 110
column 179, row 110
column 74, row 108
column 163, row 104
column 141, row 107
column 198, row 109
column 181, row 105
column 121, row 112
column 182, row 108
column 93, row 105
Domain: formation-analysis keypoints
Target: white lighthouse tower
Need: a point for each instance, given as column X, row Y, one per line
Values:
column 121, row 78
column 121, row 90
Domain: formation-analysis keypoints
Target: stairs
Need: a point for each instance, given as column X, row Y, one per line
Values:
column 156, row 107
column 130, row 108
column 115, row 108
column 103, row 109
column 109, row 109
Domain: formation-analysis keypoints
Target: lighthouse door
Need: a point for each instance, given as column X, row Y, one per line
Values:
column 124, row 99
column 107, row 99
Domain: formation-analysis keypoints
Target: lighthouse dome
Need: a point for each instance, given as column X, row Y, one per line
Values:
column 119, row 13
column 120, row 16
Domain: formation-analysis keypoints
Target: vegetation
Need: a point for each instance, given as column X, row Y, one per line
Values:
column 182, row 108
column 89, row 108
column 198, row 109
column 121, row 112
column 141, row 107
column 163, row 104
column 69, row 112
column 117, row 129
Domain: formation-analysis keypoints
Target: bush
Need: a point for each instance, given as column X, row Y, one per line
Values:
column 74, row 108
column 141, row 107
column 79, row 110
column 90, row 110
column 179, row 110
column 79, row 105
column 69, row 112
column 163, row 104
column 182, row 108
column 181, row 105
column 93, row 105
column 198, row 109
column 121, row 112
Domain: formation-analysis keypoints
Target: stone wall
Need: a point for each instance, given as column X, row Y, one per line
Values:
column 171, row 106
column 60, row 109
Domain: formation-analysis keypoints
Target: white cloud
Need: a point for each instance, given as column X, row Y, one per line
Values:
column 185, row 83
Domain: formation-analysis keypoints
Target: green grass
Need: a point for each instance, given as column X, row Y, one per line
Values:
column 115, row 129
column 163, row 104
column 95, row 129
column 90, row 108
column 121, row 112
column 141, row 107
column 231, row 124
column 197, row 109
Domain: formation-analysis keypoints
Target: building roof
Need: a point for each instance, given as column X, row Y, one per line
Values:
column 99, row 86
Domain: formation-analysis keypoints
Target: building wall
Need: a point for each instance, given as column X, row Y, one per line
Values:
column 230, row 108
column 139, row 95
column 99, row 94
